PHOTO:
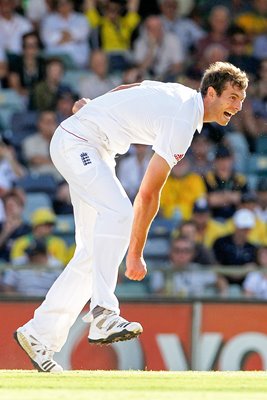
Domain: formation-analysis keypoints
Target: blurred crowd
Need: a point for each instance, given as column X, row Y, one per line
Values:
column 210, row 235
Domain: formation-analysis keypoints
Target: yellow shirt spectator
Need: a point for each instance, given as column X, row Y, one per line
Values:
column 208, row 229
column 56, row 248
column 115, row 35
column 42, row 221
column 252, row 23
column 181, row 191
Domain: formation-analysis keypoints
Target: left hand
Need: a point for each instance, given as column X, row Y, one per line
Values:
column 135, row 268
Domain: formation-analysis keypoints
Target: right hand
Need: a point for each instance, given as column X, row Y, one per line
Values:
column 79, row 104
column 135, row 268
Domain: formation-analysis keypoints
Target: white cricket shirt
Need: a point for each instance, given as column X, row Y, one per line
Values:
column 164, row 115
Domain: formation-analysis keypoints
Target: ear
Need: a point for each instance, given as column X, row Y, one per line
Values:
column 211, row 93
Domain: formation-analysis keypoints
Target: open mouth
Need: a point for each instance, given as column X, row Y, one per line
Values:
column 227, row 114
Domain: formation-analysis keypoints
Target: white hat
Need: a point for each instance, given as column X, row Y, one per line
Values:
column 244, row 219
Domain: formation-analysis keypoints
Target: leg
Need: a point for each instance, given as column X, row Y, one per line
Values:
column 103, row 217
column 73, row 288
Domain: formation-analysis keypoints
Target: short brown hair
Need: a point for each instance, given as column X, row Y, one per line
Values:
column 218, row 74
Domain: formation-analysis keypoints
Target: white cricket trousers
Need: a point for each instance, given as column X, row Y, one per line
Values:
column 103, row 218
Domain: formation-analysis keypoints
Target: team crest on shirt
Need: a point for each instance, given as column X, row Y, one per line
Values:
column 85, row 159
column 178, row 157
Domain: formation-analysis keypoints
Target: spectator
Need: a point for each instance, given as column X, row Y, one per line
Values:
column 246, row 123
column 12, row 27
column 98, row 81
column 224, row 185
column 10, row 168
column 261, row 191
column 62, row 201
column 258, row 234
column 259, row 102
column 66, row 32
column 187, row 31
column 203, row 255
column 35, row 148
column 219, row 22
column 213, row 52
column 132, row 75
column 235, row 249
column 183, row 277
column 64, row 103
column 36, row 10
column 113, row 30
column 43, row 221
column 239, row 53
column 200, row 154
column 260, row 47
column 255, row 283
column 254, row 21
column 235, row 7
column 45, row 93
column 4, row 71
column 194, row 71
column 35, row 278
column 132, row 168
column 183, row 187
column 158, row 53
column 208, row 229
column 27, row 69
column 13, row 225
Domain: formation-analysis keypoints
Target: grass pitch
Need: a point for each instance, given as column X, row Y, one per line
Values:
column 132, row 385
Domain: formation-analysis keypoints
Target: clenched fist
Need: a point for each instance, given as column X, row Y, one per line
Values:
column 135, row 268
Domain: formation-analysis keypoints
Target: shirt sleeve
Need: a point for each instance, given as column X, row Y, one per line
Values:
column 251, row 282
column 173, row 138
column 10, row 278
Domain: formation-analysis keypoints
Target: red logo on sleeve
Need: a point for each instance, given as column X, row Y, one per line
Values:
column 178, row 157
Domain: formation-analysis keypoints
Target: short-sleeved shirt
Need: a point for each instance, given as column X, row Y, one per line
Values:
column 164, row 115
column 256, row 283
column 228, row 253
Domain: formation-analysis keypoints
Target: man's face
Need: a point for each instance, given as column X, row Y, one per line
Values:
column 182, row 253
column 224, row 166
column 223, row 107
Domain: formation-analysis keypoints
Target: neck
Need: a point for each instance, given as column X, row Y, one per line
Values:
column 207, row 117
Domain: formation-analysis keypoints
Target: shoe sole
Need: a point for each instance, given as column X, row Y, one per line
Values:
column 116, row 337
column 24, row 345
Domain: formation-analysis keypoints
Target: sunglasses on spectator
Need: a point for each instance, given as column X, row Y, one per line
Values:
column 182, row 249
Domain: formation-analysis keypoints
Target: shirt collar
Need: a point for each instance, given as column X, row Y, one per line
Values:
column 200, row 112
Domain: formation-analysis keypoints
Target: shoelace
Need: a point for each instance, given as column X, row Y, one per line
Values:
column 39, row 348
column 113, row 320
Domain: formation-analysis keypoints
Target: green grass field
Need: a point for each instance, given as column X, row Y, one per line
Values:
column 133, row 385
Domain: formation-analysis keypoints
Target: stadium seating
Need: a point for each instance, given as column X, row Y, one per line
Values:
column 162, row 227
column 65, row 228
column 157, row 248
column 34, row 201
column 261, row 145
column 73, row 79
column 257, row 164
column 10, row 102
column 22, row 125
column 38, row 183
column 131, row 290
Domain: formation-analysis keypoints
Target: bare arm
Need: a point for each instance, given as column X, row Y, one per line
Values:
column 126, row 86
column 133, row 5
column 146, row 206
column 80, row 103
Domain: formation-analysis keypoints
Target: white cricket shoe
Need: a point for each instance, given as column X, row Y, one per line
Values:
column 109, row 327
column 40, row 356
